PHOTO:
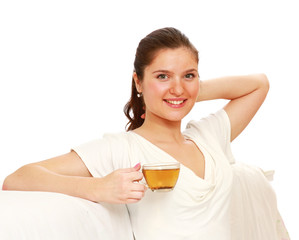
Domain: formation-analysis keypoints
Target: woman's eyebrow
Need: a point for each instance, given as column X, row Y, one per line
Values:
column 161, row 71
column 166, row 71
column 191, row 70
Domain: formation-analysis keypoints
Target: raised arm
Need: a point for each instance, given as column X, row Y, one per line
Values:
column 68, row 174
column 246, row 95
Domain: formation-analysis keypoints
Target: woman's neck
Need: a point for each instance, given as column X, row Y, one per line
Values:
column 161, row 130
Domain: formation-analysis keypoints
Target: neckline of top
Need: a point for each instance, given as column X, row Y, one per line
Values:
column 197, row 144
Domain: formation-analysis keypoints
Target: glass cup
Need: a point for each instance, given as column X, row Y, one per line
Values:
column 161, row 177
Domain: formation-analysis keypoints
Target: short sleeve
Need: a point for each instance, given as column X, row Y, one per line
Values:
column 214, row 130
column 103, row 156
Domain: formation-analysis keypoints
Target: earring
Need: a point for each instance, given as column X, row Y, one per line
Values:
column 139, row 94
column 143, row 115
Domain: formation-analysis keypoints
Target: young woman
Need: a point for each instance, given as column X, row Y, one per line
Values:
column 165, row 87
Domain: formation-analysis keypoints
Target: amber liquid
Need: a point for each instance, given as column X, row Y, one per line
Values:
column 161, row 179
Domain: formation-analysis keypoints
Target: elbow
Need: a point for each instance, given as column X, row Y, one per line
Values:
column 14, row 180
column 7, row 183
column 263, row 82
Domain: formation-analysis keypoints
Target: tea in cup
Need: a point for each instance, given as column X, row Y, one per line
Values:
column 161, row 176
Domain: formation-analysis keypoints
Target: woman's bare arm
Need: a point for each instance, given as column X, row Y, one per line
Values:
column 63, row 174
column 68, row 174
column 246, row 95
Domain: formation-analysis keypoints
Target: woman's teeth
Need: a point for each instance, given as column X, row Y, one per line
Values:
column 175, row 102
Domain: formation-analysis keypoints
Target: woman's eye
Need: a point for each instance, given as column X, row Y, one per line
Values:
column 189, row 75
column 162, row 76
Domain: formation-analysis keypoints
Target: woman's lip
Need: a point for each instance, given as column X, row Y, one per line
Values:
column 175, row 102
column 175, row 99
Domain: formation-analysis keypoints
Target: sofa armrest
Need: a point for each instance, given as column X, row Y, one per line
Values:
column 44, row 215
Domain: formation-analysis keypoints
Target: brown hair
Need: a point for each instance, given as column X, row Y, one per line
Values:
column 146, row 51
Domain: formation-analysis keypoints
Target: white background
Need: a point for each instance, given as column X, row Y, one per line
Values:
column 66, row 66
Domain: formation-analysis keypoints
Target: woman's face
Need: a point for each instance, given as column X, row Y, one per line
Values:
column 170, row 84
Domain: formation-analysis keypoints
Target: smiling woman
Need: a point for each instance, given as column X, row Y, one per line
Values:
column 205, row 203
column 149, row 47
column 170, row 85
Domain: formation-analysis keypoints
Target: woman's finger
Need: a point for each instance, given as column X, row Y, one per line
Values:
column 136, row 168
column 136, row 195
column 135, row 176
column 138, row 187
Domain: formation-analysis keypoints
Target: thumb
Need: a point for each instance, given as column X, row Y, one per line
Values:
column 137, row 167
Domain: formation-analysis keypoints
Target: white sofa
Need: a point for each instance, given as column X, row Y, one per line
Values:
column 45, row 216
column 49, row 216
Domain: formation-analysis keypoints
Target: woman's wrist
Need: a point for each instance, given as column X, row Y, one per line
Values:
column 202, row 96
column 89, row 188
column 231, row 87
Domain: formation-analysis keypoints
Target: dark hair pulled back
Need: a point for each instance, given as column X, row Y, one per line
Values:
column 146, row 51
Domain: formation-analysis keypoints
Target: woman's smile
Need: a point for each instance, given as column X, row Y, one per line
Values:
column 175, row 102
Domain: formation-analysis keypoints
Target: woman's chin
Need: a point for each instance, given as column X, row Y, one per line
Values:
column 175, row 117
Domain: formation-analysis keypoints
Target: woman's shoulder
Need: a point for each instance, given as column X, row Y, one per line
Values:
column 212, row 123
column 118, row 138
column 106, row 143
column 115, row 136
column 213, row 131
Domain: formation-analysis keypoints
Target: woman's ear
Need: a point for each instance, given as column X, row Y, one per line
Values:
column 137, row 83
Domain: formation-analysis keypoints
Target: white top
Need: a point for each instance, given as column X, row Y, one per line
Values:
column 197, row 208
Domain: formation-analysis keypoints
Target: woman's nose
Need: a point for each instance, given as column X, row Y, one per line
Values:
column 177, row 88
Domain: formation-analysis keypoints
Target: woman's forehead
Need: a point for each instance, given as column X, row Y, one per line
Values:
column 173, row 58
